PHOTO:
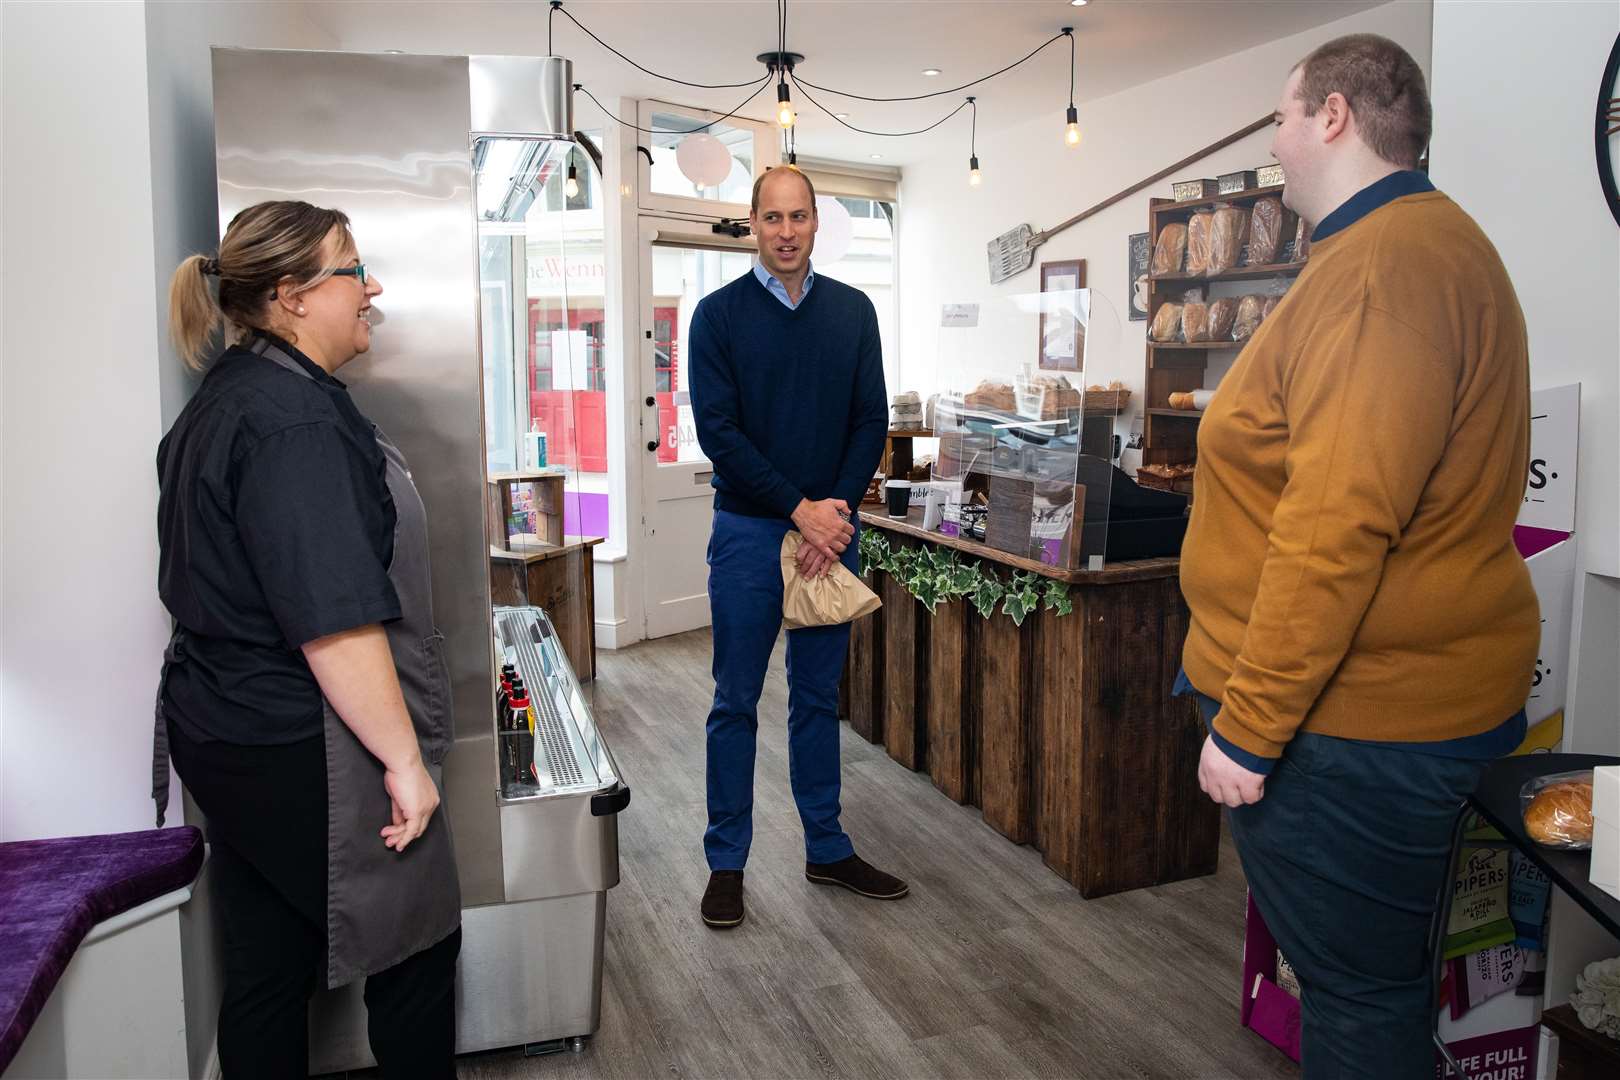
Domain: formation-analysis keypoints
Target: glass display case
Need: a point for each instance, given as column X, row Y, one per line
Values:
column 1030, row 388
column 549, row 744
column 539, row 224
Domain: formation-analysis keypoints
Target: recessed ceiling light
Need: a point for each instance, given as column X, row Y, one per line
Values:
column 1078, row 3
column 930, row 71
column 842, row 115
column 877, row 157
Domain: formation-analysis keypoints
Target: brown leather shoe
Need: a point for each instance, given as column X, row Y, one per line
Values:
column 723, row 900
column 856, row 875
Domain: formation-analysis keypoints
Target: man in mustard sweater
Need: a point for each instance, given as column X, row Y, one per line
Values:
column 1363, row 631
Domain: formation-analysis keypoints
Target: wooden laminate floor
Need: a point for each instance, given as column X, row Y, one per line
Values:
column 992, row 967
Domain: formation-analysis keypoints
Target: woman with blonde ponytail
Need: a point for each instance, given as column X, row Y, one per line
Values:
column 304, row 694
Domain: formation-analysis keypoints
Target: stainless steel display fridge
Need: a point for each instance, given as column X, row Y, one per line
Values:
column 452, row 169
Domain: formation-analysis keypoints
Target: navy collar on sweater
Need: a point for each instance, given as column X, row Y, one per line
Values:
column 1394, row 186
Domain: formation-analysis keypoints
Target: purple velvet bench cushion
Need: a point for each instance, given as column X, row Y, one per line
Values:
column 53, row 892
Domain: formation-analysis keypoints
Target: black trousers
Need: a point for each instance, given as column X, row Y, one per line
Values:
column 266, row 808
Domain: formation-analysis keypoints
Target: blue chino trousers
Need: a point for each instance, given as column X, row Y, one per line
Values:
column 745, row 603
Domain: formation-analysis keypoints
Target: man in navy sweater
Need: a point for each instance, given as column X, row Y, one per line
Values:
column 787, row 388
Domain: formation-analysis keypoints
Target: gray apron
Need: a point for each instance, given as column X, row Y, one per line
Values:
column 382, row 906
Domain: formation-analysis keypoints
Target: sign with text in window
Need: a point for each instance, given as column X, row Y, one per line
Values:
column 1555, row 430
column 1552, row 573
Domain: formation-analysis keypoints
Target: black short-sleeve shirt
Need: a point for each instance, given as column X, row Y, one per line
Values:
column 275, row 527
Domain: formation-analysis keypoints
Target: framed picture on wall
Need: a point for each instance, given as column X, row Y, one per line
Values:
column 1141, row 249
column 1062, row 333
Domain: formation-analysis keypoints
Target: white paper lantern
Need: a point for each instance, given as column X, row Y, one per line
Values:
column 703, row 159
column 834, row 232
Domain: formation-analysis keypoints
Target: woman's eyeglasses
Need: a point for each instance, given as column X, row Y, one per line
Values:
column 358, row 271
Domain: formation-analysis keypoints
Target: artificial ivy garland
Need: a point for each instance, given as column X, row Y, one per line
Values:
column 938, row 575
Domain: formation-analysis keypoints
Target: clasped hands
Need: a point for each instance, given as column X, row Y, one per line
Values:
column 827, row 531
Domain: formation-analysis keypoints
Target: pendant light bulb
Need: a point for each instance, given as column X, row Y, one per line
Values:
column 1071, row 132
column 784, row 107
column 571, row 187
column 974, row 179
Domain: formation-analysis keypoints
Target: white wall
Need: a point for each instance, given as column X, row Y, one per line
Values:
column 108, row 180
column 1031, row 177
column 1522, row 163
column 180, row 85
column 82, row 629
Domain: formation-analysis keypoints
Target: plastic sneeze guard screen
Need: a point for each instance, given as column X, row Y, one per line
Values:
column 1028, row 392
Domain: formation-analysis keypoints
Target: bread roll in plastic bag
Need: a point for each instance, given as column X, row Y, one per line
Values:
column 1557, row 809
column 1302, row 241
column 1170, row 250
column 1265, row 231
column 1198, row 237
column 1250, row 311
column 1222, row 313
column 1195, row 321
column 1269, row 306
column 1166, row 323
column 1228, row 231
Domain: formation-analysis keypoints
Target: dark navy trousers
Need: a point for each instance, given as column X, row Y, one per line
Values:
column 745, row 604
column 1344, row 855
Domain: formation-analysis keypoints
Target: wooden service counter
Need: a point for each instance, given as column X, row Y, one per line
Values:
column 1062, row 731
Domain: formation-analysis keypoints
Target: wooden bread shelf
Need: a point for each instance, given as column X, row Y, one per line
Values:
column 1170, row 206
column 1237, row 273
column 1178, row 366
column 1197, row 346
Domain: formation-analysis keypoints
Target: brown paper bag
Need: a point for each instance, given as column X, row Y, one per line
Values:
column 836, row 597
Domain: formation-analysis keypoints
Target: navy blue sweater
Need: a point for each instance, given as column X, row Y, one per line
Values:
column 789, row 402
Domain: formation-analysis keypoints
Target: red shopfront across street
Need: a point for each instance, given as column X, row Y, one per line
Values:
column 575, row 419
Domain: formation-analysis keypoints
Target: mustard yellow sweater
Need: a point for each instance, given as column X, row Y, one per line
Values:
column 1349, row 564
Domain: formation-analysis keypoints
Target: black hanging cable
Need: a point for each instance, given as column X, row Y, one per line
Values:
column 864, row 131
column 760, row 86
column 939, row 93
column 556, row 6
column 1070, row 35
column 1071, row 126
column 973, row 144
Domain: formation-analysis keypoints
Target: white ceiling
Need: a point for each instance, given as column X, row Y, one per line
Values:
column 875, row 47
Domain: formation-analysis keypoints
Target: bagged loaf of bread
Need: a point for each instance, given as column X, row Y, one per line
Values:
column 1250, row 310
column 1266, row 230
column 1228, row 229
column 1170, row 250
column 1195, row 321
column 1270, row 305
column 1166, row 323
column 1222, row 313
column 1557, row 809
column 1199, row 227
column 1302, row 241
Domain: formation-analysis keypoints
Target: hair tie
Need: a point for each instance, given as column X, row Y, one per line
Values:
column 211, row 267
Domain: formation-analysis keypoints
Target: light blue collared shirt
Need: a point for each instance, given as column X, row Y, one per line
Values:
column 779, row 290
